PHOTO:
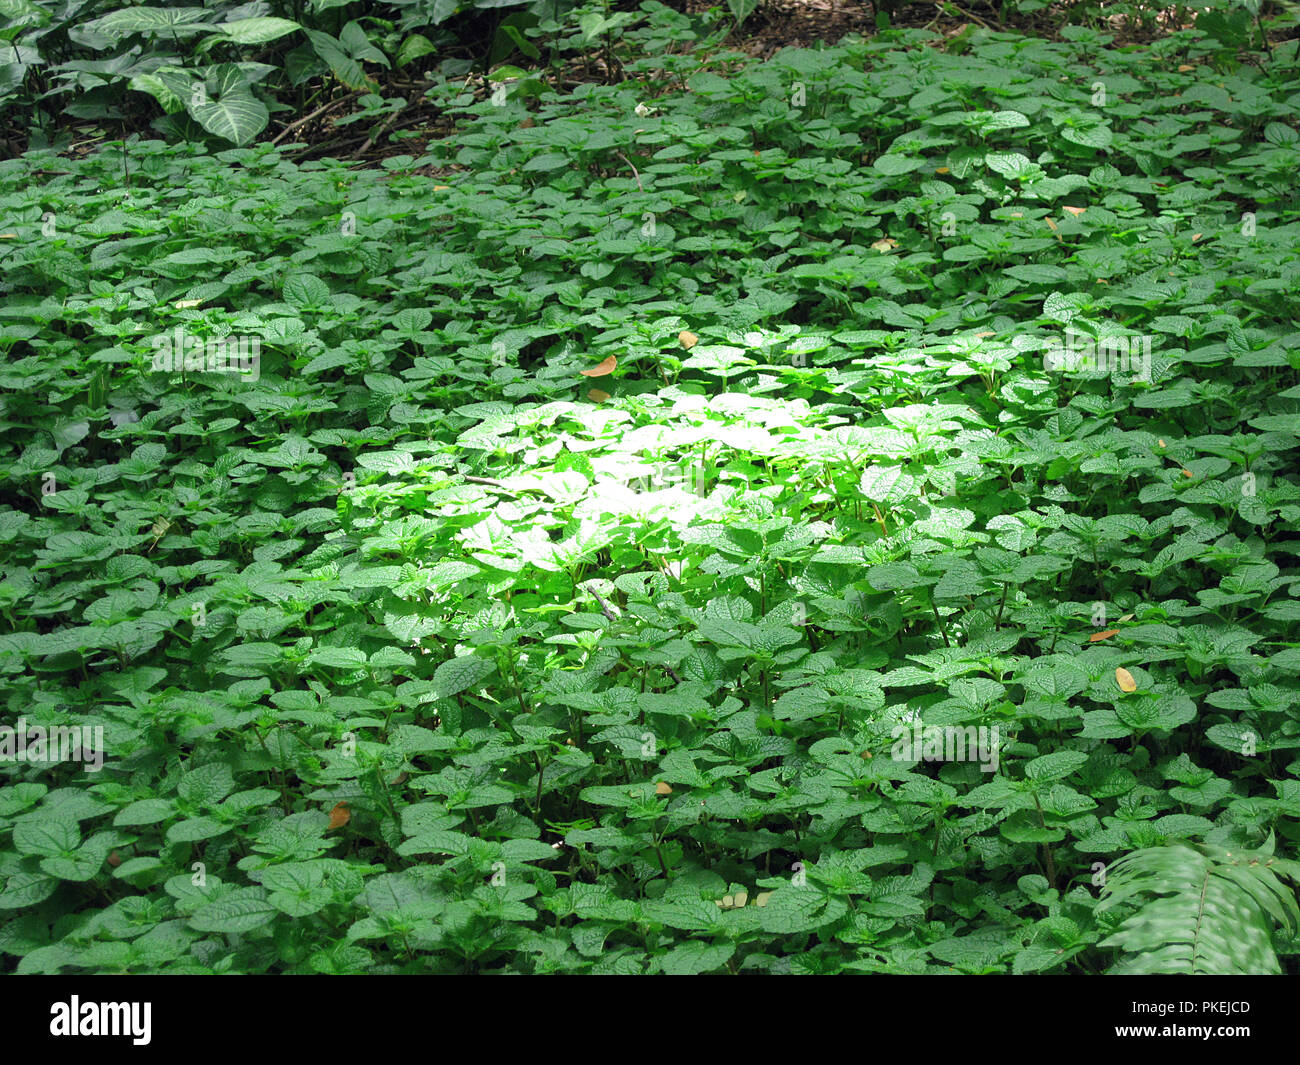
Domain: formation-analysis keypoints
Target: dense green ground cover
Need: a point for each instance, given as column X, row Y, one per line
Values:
column 584, row 666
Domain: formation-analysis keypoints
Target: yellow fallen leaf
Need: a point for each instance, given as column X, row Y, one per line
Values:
column 1102, row 635
column 602, row 369
column 941, row 170
column 761, row 898
column 687, row 339
column 1162, row 443
column 1183, row 68
column 339, row 816
column 1125, row 680
column 597, row 395
column 1076, row 211
column 441, row 188
column 182, row 305
column 663, row 789
column 1127, row 617
column 1187, row 473
column 885, row 244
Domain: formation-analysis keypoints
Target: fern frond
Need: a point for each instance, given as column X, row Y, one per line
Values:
column 1214, row 911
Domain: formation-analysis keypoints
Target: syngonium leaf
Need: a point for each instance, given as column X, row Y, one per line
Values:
column 150, row 21
column 221, row 101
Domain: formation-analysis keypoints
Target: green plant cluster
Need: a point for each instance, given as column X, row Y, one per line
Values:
column 416, row 648
column 216, row 71
column 216, row 74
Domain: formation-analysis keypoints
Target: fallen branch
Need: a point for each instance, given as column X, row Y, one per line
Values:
column 635, row 174
column 604, row 607
column 383, row 128
column 315, row 114
column 970, row 15
column 324, row 148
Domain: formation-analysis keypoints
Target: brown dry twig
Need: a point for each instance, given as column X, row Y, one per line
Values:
column 635, row 173
column 315, row 114
column 383, row 129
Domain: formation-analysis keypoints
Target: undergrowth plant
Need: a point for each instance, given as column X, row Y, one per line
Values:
column 812, row 516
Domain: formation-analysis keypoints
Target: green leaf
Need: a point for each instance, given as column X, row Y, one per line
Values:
column 693, row 958
column 238, row 912
column 741, row 9
column 150, row 21
column 256, row 30
column 224, row 105
column 458, row 674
